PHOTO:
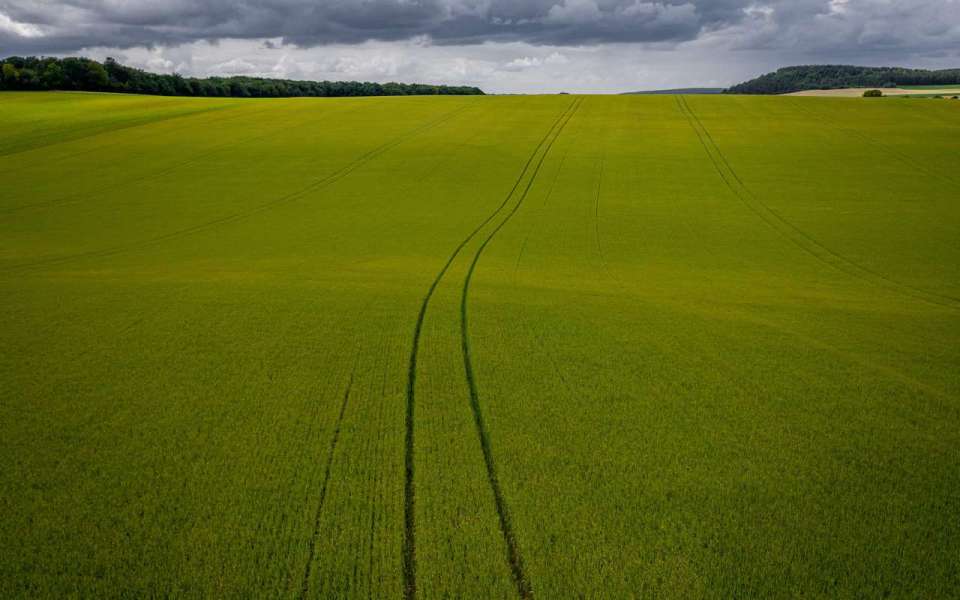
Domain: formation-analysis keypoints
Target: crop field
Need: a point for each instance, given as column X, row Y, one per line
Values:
column 491, row 347
column 901, row 92
column 926, row 87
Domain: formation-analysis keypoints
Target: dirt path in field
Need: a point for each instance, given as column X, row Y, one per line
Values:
column 409, row 544
column 790, row 231
column 313, row 186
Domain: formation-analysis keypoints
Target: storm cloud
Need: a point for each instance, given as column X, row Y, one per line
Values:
column 751, row 33
column 63, row 25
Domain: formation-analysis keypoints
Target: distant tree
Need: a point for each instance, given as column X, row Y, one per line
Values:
column 72, row 73
column 96, row 76
column 181, row 87
column 10, row 73
column 29, row 79
column 872, row 94
column 826, row 77
column 52, row 76
column 238, row 89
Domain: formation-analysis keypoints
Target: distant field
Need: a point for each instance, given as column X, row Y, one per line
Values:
column 928, row 87
column 485, row 347
column 920, row 91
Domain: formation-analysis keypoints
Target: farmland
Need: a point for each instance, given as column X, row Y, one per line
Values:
column 904, row 92
column 495, row 347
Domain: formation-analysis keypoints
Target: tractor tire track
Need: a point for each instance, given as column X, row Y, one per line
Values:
column 794, row 234
column 409, row 491
column 526, row 238
column 312, row 187
column 514, row 557
column 541, row 340
column 308, row 568
column 604, row 264
column 328, row 465
column 516, row 268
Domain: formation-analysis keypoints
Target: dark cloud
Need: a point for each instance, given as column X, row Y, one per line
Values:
column 822, row 30
column 309, row 23
column 78, row 23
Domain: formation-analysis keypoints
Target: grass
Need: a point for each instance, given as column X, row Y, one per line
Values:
column 488, row 347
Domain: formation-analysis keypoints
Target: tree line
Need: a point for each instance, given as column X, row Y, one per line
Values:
column 827, row 77
column 84, row 74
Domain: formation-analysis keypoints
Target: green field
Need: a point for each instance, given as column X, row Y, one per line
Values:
column 565, row 346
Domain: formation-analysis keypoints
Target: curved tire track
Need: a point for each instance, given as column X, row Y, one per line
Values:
column 514, row 557
column 546, row 200
column 409, row 491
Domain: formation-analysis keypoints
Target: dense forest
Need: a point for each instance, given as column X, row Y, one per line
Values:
column 827, row 77
column 83, row 74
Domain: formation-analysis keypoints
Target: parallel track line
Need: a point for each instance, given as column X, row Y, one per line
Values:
column 409, row 491
column 790, row 231
column 515, row 558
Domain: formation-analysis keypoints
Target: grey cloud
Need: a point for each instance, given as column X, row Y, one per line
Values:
column 309, row 22
column 840, row 28
column 834, row 27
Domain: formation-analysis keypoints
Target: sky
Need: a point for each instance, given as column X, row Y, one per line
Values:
column 503, row 46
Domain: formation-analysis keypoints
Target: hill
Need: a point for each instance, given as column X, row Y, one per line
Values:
column 84, row 74
column 827, row 77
